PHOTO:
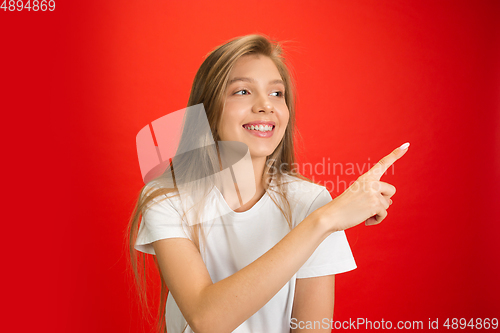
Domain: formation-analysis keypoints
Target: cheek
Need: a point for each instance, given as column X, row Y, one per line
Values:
column 232, row 116
column 285, row 117
column 222, row 127
column 228, row 125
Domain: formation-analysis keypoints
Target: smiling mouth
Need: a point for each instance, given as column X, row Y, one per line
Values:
column 260, row 128
column 263, row 131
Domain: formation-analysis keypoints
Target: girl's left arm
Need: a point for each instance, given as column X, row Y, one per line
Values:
column 313, row 303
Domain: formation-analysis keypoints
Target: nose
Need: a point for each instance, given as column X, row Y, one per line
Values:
column 263, row 104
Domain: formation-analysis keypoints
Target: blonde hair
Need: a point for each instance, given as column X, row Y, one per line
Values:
column 209, row 87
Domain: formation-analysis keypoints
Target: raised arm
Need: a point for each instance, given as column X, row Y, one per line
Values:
column 223, row 306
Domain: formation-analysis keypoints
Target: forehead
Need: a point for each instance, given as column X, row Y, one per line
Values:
column 255, row 66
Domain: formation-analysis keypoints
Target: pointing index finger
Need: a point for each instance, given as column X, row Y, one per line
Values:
column 385, row 163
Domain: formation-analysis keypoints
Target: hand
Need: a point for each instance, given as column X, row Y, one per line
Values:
column 367, row 199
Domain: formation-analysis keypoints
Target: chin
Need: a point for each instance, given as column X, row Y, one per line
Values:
column 260, row 152
column 261, row 155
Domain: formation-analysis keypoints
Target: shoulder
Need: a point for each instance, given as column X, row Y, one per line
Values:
column 169, row 198
column 298, row 187
column 302, row 194
column 158, row 194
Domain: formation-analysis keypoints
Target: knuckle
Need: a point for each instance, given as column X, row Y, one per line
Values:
column 369, row 184
column 364, row 186
column 383, row 162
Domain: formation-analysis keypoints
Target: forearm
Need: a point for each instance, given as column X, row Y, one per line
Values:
column 245, row 292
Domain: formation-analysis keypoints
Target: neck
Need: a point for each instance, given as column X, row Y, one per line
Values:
column 258, row 168
column 258, row 164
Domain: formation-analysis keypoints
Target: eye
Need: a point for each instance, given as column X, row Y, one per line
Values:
column 242, row 92
column 277, row 94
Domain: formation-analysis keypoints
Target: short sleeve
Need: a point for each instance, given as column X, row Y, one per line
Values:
column 160, row 221
column 333, row 255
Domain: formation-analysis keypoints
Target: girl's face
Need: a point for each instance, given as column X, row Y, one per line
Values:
column 255, row 96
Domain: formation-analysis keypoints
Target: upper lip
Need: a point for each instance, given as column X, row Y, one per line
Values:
column 260, row 122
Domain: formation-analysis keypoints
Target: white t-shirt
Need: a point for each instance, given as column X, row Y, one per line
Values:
column 235, row 240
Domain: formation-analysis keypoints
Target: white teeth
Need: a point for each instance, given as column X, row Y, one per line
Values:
column 260, row 128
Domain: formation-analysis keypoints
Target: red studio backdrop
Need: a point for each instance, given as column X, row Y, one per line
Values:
column 79, row 82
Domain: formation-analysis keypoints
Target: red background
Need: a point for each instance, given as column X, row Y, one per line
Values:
column 80, row 82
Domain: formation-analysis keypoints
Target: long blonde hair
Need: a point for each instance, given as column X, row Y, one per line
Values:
column 209, row 88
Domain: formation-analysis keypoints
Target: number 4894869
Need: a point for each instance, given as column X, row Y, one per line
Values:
column 30, row 5
column 478, row 323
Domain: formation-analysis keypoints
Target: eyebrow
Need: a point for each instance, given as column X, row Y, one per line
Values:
column 250, row 80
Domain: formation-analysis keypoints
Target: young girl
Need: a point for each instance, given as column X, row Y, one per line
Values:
column 269, row 264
